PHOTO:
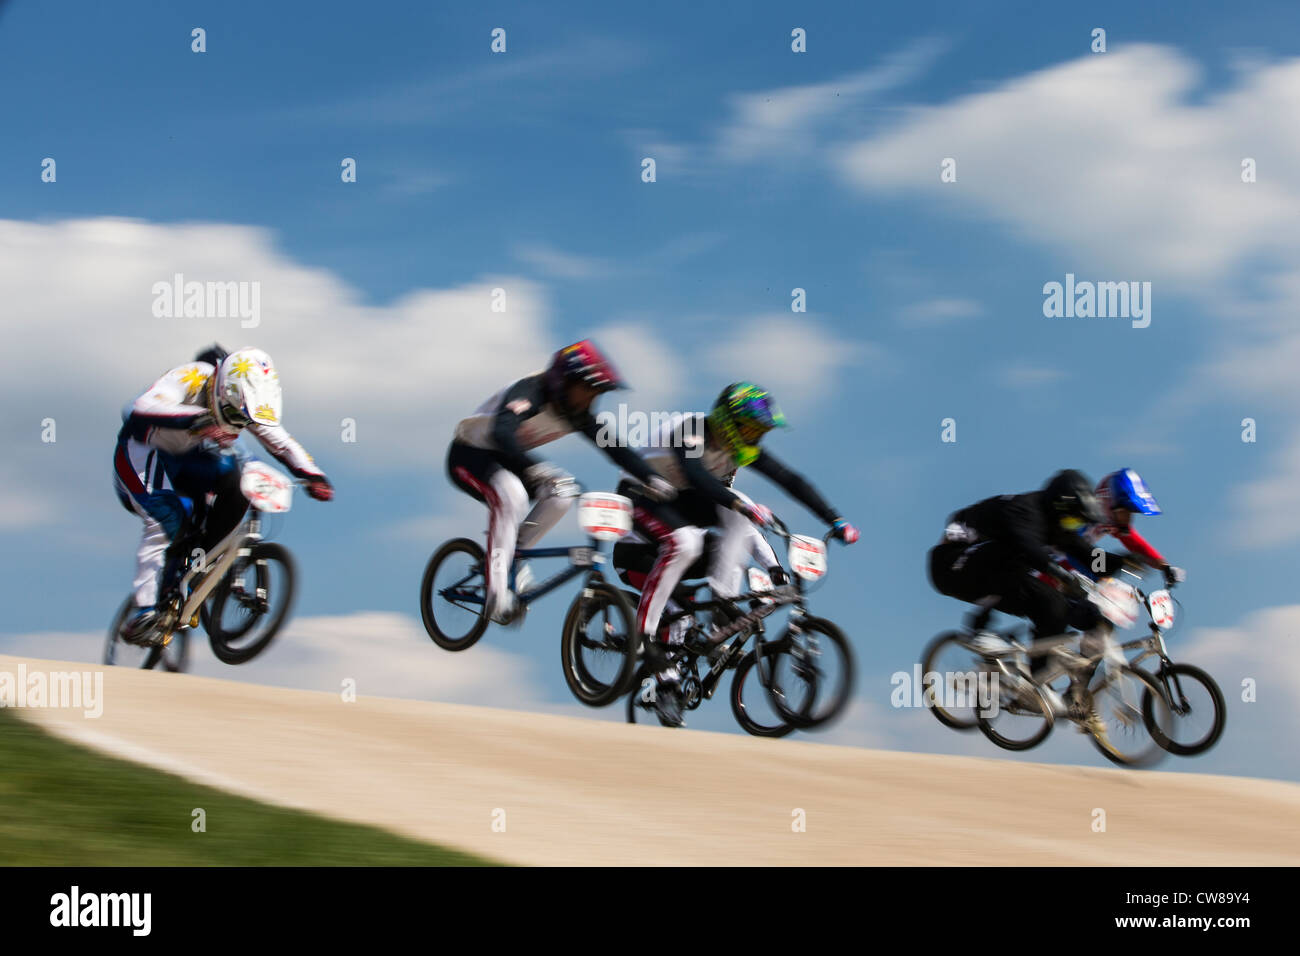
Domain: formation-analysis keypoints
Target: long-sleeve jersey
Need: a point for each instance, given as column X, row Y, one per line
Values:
column 520, row 418
column 1135, row 543
column 173, row 412
column 1020, row 522
column 687, row 459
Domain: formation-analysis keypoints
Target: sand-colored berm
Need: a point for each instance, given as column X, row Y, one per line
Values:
column 542, row 789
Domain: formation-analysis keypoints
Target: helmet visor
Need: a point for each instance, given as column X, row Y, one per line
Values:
column 751, row 431
column 235, row 416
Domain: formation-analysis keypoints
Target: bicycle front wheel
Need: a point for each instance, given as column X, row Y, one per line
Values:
column 808, row 673
column 1195, row 710
column 1124, row 733
column 599, row 644
column 250, row 605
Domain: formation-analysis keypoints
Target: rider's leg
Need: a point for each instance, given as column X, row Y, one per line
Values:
column 210, row 472
column 735, row 545
column 679, row 545
column 144, row 489
column 482, row 476
column 546, row 513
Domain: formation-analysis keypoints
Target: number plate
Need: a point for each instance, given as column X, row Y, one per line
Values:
column 1162, row 609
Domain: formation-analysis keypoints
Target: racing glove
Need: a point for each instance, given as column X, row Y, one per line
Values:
column 320, row 488
column 1173, row 575
column 844, row 531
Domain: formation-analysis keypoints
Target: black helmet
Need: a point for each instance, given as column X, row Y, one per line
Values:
column 213, row 355
column 1070, row 494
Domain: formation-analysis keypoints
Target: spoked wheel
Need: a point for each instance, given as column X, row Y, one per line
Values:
column 453, row 595
column 249, row 606
column 599, row 644
column 951, row 693
column 1118, row 694
column 808, row 673
column 751, row 705
column 1194, row 707
column 173, row 657
column 1018, row 716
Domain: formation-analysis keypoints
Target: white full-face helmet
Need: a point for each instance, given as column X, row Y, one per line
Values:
column 247, row 390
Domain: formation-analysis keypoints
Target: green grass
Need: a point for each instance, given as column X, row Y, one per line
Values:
column 63, row 805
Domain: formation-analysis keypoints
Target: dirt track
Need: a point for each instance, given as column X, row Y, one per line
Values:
column 577, row 791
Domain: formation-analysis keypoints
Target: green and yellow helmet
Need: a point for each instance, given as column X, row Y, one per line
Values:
column 742, row 415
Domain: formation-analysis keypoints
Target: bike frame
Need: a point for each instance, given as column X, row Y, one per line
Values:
column 199, row 583
column 582, row 560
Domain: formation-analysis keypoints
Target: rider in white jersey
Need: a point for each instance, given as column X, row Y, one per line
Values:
column 169, row 459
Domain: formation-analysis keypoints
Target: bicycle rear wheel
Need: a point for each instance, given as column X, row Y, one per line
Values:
column 173, row 657
column 1019, row 716
column 949, row 695
column 453, row 595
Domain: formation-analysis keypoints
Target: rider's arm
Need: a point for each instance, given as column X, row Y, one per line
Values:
column 685, row 447
column 164, row 404
column 618, row 451
column 522, row 401
column 795, row 484
column 286, row 450
column 1141, row 547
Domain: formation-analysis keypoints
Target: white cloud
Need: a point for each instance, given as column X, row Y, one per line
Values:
column 798, row 360
column 1111, row 161
column 1104, row 155
column 559, row 264
column 78, row 322
column 940, row 311
column 1023, row 375
column 791, row 120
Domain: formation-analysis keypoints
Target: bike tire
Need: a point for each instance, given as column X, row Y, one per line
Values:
column 220, row 639
column 587, row 687
column 743, row 716
column 1032, row 703
column 810, row 714
column 427, row 597
column 174, row 658
column 1149, row 755
column 949, row 718
column 1196, row 675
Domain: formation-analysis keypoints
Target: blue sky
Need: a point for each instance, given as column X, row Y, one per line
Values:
column 776, row 170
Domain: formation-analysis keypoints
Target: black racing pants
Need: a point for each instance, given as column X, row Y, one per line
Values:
column 987, row 572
